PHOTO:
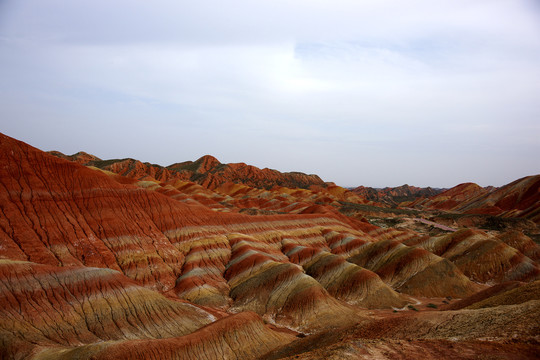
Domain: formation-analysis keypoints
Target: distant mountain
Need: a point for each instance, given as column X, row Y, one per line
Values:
column 395, row 195
column 520, row 198
column 81, row 157
column 206, row 171
column 188, row 182
column 452, row 198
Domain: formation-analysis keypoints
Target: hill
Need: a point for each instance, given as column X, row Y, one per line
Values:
column 395, row 195
column 98, row 265
column 520, row 198
column 206, row 171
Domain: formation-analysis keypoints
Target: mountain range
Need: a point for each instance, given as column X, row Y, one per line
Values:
column 119, row 259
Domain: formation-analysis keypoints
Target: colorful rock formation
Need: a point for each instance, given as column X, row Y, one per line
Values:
column 120, row 259
column 207, row 171
column 396, row 195
column 520, row 198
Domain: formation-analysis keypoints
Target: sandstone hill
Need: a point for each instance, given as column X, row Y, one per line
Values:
column 395, row 195
column 520, row 198
column 206, row 171
column 125, row 262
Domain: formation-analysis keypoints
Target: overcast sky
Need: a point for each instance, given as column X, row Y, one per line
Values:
column 376, row 93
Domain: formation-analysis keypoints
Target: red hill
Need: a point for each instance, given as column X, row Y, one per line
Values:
column 207, row 171
column 395, row 195
column 520, row 198
column 131, row 260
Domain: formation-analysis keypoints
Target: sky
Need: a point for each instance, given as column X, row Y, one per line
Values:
column 375, row 93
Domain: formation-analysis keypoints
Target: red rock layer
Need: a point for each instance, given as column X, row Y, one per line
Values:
column 202, row 279
column 343, row 280
column 235, row 191
column 413, row 271
column 44, row 306
column 520, row 198
column 232, row 197
column 59, row 214
column 453, row 198
column 483, row 258
column 242, row 336
column 262, row 280
column 521, row 242
column 207, row 171
column 120, row 239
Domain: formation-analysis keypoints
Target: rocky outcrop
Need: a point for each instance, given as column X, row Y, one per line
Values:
column 395, row 195
column 452, row 198
column 412, row 270
column 209, row 172
column 520, row 198
column 483, row 258
column 81, row 157
column 206, row 171
column 263, row 281
column 343, row 280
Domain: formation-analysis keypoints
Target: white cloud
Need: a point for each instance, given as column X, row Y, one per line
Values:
column 319, row 83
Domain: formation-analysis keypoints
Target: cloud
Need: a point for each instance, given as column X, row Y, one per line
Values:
column 397, row 92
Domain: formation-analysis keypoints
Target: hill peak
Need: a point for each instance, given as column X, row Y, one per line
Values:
column 206, row 163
